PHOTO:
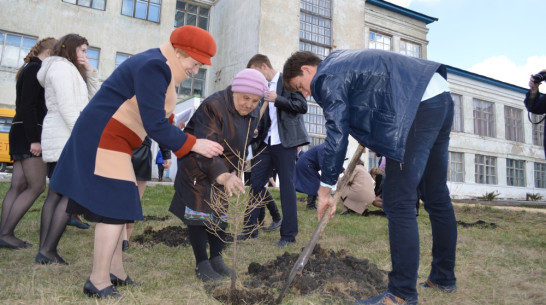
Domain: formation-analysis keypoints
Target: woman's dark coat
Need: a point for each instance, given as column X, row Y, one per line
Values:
column 216, row 119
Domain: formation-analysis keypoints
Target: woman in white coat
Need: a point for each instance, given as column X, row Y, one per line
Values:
column 69, row 81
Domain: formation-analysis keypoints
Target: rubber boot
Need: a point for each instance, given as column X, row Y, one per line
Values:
column 220, row 267
column 205, row 272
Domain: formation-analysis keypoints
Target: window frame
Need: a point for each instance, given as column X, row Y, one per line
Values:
column 456, row 167
column 458, row 113
column 92, row 59
column 77, row 2
column 192, row 79
column 148, row 4
column 316, row 23
column 21, row 47
column 410, row 43
column 484, row 120
column 513, row 122
column 379, row 33
column 186, row 12
column 127, row 56
column 485, row 169
column 537, row 129
column 539, row 171
column 515, row 172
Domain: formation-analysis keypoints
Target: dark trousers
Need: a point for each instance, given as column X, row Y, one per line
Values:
column 284, row 160
column 424, row 168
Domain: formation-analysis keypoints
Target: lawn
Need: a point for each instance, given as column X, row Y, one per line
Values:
column 501, row 265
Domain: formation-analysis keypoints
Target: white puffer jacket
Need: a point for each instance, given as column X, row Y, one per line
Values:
column 66, row 94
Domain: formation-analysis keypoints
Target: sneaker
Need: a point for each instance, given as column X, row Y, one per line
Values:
column 205, row 272
column 386, row 298
column 444, row 288
column 274, row 226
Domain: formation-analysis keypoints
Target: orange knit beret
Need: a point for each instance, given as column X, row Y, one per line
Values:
column 195, row 41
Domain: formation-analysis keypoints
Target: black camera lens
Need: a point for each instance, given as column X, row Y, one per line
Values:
column 539, row 77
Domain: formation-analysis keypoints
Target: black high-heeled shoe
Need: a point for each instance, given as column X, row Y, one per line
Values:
column 44, row 260
column 109, row 292
column 116, row 281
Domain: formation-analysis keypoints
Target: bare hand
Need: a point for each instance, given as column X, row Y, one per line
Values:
column 181, row 125
column 271, row 96
column 325, row 200
column 232, row 183
column 84, row 61
column 167, row 163
column 207, row 148
column 36, row 148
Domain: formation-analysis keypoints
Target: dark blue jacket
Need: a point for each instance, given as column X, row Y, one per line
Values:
column 537, row 106
column 306, row 175
column 373, row 95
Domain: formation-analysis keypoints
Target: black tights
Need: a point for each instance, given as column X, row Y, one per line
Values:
column 199, row 235
column 53, row 223
column 27, row 183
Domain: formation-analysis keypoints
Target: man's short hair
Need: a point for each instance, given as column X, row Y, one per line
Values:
column 258, row 60
column 292, row 66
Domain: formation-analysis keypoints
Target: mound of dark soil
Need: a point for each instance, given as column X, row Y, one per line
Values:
column 172, row 236
column 479, row 224
column 155, row 218
column 336, row 276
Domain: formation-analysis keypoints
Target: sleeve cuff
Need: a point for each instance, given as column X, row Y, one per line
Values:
column 186, row 148
column 326, row 185
column 171, row 118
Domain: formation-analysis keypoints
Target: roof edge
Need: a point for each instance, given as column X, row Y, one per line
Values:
column 404, row 11
column 485, row 79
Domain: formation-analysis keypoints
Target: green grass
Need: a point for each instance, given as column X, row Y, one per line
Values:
column 506, row 265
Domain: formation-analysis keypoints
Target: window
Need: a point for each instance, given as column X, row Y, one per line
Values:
column 121, row 57
column 14, row 48
column 316, row 26
column 513, row 122
column 314, row 120
column 373, row 160
column 410, row 49
column 484, row 118
column 515, row 172
column 379, row 41
column 485, row 169
column 142, row 9
column 457, row 113
column 191, row 14
column 540, row 175
column 5, row 124
column 93, row 54
column 194, row 85
column 538, row 129
column 455, row 171
column 96, row 4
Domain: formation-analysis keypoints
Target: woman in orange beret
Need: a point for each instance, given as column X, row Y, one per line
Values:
column 95, row 170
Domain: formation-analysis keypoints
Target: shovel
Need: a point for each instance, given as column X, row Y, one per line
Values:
column 306, row 253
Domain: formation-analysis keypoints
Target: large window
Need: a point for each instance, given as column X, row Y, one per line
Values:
column 93, row 54
column 14, row 48
column 314, row 121
column 540, row 175
column 410, row 49
column 194, row 85
column 379, row 41
column 458, row 118
column 191, row 14
column 121, row 57
column 513, row 122
column 455, row 171
column 484, row 118
column 485, row 169
column 142, row 9
column 316, row 26
column 96, row 4
column 538, row 129
column 515, row 172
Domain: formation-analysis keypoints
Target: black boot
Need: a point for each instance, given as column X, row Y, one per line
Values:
column 205, row 272
column 220, row 267
column 311, row 202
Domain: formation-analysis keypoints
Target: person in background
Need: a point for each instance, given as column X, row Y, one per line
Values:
column 307, row 176
column 223, row 117
column 135, row 101
column 69, row 81
column 281, row 130
column 28, row 178
column 535, row 102
column 378, row 176
column 400, row 107
column 359, row 192
column 160, row 165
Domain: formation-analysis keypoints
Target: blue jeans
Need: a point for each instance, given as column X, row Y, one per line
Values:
column 425, row 171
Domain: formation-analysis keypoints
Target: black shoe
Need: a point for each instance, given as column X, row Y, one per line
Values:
column 284, row 242
column 346, row 212
column 109, row 292
column 366, row 213
column 124, row 245
column 78, row 224
column 311, row 207
column 23, row 244
column 205, row 272
column 274, row 225
column 116, row 281
column 220, row 267
column 44, row 260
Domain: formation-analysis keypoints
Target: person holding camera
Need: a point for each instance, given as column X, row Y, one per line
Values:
column 534, row 101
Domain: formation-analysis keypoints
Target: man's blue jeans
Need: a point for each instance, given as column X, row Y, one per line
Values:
column 424, row 168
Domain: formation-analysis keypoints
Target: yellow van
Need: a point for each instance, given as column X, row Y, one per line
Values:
column 6, row 117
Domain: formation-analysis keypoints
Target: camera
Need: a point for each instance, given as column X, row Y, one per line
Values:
column 539, row 77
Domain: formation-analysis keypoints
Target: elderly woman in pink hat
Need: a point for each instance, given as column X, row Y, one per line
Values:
column 224, row 117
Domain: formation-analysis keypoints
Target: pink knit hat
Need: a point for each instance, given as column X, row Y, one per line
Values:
column 250, row 81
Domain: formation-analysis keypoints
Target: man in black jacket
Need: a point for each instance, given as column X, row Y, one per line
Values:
column 280, row 131
column 536, row 102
